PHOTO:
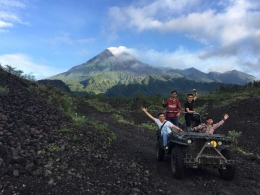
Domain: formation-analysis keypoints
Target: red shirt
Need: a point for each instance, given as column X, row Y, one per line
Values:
column 172, row 105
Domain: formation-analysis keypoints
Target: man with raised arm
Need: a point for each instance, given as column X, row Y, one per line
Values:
column 189, row 109
column 209, row 127
column 164, row 125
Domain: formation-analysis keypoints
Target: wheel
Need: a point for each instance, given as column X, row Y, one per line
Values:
column 230, row 170
column 177, row 162
column 159, row 151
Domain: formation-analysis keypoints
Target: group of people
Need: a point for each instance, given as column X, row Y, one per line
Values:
column 167, row 122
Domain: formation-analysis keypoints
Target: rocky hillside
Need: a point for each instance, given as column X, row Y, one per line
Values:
column 244, row 117
column 42, row 152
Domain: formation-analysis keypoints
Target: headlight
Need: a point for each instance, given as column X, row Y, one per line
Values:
column 220, row 143
column 214, row 143
column 189, row 141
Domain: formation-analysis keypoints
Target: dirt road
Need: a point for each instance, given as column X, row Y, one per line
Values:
column 138, row 145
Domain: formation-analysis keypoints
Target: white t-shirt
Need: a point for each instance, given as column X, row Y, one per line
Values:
column 166, row 127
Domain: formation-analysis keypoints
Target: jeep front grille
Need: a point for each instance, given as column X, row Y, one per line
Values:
column 207, row 152
column 198, row 143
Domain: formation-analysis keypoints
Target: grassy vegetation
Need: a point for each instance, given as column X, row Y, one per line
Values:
column 228, row 94
column 75, row 138
column 18, row 73
column 112, row 138
column 234, row 137
column 53, row 147
column 151, row 126
column 79, row 121
column 120, row 119
column 64, row 130
column 97, row 125
column 100, row 104
column 65, row 101
column 4, row 90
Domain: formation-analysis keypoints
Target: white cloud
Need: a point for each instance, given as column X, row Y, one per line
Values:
column 118, row 50
column 5, row 24
column 27, row 65
column 182, row 58
column 238, row 20
column 12, row 3
column 8, row 13
column 229, row 30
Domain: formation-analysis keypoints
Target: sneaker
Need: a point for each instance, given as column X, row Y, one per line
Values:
column 166, row 147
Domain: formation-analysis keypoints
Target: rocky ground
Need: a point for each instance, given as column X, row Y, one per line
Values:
column 36, row 158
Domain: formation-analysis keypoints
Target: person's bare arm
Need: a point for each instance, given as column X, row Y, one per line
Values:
column 176, row 127
column 147, row 113
column 217, row 125
column 195, row 94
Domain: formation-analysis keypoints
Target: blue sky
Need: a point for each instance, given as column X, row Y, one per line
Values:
column 47, row 37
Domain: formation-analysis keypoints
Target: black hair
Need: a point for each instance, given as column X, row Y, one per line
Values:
column 209, row 117
column 190, row 94
column 173, row 92
column 160, row 113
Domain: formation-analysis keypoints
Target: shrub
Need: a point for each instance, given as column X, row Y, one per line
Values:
column 234, row 137
column 4, row 90
column 75, row 138
column 53, row 147
column 64, row 130
column 112, row 138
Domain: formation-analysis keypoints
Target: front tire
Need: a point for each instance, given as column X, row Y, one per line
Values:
column 160, row 152
column 229, row 172
column 177, row 162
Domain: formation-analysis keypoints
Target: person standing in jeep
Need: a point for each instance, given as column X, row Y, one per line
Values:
column 164, row 125
column 173, row 108
column 189, row 109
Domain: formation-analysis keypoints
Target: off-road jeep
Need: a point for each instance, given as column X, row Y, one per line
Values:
column 193, row 150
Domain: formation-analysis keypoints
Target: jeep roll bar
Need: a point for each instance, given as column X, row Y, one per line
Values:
column 195, row 113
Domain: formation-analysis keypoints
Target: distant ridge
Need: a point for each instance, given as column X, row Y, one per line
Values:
column 106, row 70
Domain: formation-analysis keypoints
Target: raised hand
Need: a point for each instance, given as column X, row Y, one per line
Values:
column 144, row 109
column 226, row 116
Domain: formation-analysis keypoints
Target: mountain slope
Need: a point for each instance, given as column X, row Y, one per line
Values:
column 108, row 69
column 153, row 84
column 235, row 77
column 105, row 71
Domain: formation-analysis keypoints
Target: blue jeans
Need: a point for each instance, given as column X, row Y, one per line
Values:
column 165, row 137
column 173, row 121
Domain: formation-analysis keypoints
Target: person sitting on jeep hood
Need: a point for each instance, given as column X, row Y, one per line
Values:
column 209, row 127
column 164, row 125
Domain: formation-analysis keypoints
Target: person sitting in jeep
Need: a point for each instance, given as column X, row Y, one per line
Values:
column 164, row 125
column 209, row 127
